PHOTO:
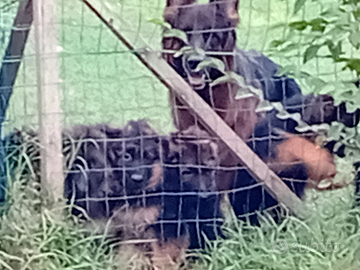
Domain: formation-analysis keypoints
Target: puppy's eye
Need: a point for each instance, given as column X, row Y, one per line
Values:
column 127, row 157
column 173, row 158
column 186, row 172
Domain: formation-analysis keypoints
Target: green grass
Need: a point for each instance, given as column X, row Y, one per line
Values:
column 36, row 234
column 252, row 248
column 103, row 82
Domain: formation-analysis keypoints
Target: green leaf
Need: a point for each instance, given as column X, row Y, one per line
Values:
column 200, row 52
column 349, row 133
column 344, row 18
column 357, row 141
column 311, row 52
column 186, row 50
column 299, row 25
column 318, row 24
column 243, row 93
column 264, row 106
column 334, row 50
column 354, row 39
column 315, row 128
column 291, row 47
column 276, row 43
column 328, row 88
column 335, row 130
column 285, row 70
column 244, row 88
column 356, row 13
column 175, row 33
column 298, row 5
column 354, row 65
column 346, row 94
column 331, row 12
column 279, row 107
column 211, row 62
column 278, row 25
column 160, row 22
column 351, row 107
column 337, row 146
column 349, row 152
column 227, row 78
column 336, row 33
column 317, row 83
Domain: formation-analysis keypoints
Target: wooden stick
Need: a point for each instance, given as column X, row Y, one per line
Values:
column 9, row 70
column 153, row 61
column 14, row 52
column 48, row 83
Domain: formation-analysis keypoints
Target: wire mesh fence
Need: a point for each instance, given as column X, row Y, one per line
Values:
column 179, row 182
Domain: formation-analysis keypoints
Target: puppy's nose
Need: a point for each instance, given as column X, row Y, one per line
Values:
column 192, row 64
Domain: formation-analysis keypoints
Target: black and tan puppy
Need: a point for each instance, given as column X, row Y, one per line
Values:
column 177, row 202
column 109, row 165
column 176, row 174
column 210, row 27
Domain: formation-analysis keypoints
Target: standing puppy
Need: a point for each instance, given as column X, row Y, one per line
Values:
column 210, row 27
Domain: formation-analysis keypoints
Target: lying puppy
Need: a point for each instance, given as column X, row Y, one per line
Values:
column 149, row 186
column 298, row 161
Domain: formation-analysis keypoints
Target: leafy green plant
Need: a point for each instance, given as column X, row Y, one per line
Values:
column 331, row 36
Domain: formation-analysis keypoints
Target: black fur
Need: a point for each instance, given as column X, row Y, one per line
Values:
column 90, row 172
column 191, row 206
column 185, row 211
column 248, row 200
column 120, row 164
column 123, row 177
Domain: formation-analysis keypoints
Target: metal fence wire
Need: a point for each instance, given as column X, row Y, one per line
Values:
column 170, row 176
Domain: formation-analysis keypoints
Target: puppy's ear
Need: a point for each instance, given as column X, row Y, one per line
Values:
column 167, row 152
column 113, row 133
column 172, row 149
column 207, row 150
column 138, row 128
column 145, row 128
column 233, row 12
column 177, row 3
column 172, row 9
column 230, row 9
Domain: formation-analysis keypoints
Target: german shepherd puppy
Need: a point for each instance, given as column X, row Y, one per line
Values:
column 210, row 27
